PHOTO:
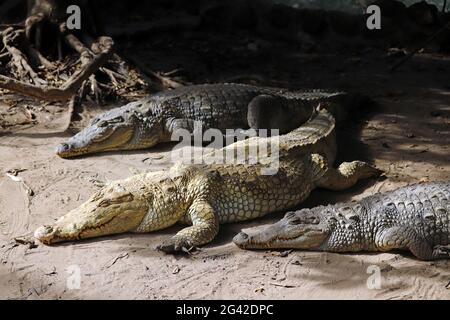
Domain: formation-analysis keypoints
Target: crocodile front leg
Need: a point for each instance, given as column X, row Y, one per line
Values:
column 205, row 226
column 404, row 237
column 347, row 175
column 175, row 124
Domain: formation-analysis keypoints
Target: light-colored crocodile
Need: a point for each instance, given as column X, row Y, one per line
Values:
column 414, row 218
column 153, row 120
column 209, row 194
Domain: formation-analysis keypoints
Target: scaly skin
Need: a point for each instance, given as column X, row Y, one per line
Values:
column 414, row 218
column 147, row 122
column 209, row 194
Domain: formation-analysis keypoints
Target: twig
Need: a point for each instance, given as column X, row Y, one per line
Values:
column 9, row 25
column 120, row 256
column 165, row 82
column 39, row 58
column 4, row 55
column 78, row 46
column 94, row 88
column 69, row 88
column 111, row 74
column 282, row 285
column 26, row 240
column 14, row 178
column 18, row 58
column 427, row 41
column 172, row 72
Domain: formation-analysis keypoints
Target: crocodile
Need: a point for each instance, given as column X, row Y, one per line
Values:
column 152, row 120
column 208, row 194
column 414, row 218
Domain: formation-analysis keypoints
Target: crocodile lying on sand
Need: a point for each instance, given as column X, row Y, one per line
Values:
column 152, row 120
column 206, row 195
column 414, row 218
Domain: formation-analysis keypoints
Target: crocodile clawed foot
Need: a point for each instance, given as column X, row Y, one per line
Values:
column 441, row 252
column 176, row 244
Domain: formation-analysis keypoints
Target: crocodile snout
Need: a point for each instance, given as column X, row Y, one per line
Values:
column 69, row 149
column 45, row 234
column 63, row 147
column 241, row 239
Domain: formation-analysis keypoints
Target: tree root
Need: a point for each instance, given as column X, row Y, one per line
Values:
column 69, row 88
column 163, row 81
column 18, row 59
column 35, row 76
column 42, row 59
column 27, row 81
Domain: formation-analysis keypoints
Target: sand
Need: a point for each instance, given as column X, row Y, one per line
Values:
column 407, row 136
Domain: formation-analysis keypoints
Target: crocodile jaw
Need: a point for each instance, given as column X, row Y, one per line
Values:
column 96, row 139
column 112, row 210
column 117, row 129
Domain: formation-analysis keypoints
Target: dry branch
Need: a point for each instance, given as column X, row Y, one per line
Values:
column 72, row 84
column 420, row 47
column 19, row 60
column 38, row 58
column 163, row 81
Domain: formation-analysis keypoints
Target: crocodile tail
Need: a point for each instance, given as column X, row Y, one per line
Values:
column 315, row 136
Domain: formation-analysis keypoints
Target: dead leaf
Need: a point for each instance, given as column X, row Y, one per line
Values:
column 120, row 256
column 29, row 241
column 16, row 171
column 282, row 285
column 176, row 270
column 13, row 177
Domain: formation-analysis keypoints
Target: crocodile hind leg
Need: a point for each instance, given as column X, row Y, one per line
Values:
column 275, row 112
column 205, row 225
column 406, row 238
column 346, row 175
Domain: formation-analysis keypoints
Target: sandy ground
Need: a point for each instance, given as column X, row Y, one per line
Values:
column 407, row 136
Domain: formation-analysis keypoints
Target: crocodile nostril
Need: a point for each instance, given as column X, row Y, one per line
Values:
column 62, row 147
column 240, row 238
column 43, row 232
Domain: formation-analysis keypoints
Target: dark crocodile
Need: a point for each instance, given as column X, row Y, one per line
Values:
column 152, row 120
column 414, row 218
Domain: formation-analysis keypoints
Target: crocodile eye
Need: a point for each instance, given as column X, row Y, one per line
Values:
column 104, row 203
column 304, row 220
column 105, row 123
column 295, row 221
column 314, row 220
column 127, row 197
column 290, row 215
column 117, row 120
